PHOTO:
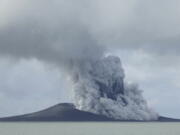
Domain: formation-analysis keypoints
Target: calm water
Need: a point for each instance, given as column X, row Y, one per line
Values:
column 89, row 128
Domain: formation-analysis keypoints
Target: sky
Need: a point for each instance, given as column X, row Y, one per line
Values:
column 37, row 37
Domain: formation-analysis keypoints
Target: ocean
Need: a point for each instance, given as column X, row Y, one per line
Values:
column 89, row 128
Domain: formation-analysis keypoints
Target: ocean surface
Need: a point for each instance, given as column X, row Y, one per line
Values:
column 89, row 128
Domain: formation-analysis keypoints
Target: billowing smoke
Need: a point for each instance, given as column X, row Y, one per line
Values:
column 99, row 88
column 71, row 41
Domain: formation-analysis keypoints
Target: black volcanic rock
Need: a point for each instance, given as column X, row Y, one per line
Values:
column 67, row 112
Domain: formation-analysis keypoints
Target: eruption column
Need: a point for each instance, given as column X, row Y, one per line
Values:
column 99, row 88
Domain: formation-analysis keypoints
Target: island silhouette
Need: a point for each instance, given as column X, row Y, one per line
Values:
column 67, row 112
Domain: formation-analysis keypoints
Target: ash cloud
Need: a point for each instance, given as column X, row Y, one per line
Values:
column 76, row 35
column 99, row 88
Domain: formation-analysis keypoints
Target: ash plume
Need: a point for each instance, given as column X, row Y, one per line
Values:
column 99, row 88
column 68, row 43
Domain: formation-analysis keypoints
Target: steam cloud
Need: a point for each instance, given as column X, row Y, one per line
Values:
column 99, row 88
column 69, row 42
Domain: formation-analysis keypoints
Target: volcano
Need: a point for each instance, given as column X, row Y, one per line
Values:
column 67, row 112
column 100, row 94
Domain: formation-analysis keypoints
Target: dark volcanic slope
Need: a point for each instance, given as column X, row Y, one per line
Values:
column 67, row 112
column 60, row 112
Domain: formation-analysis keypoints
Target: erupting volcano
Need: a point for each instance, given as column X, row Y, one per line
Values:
column 99, row 88
column 100, row 94
column 76, row 38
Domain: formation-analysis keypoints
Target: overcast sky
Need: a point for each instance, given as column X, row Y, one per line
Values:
column 144, row 34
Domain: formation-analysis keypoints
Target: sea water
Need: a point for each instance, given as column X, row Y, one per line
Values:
column 88, row 128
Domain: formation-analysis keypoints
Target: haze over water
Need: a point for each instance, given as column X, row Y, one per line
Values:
column 89, row 128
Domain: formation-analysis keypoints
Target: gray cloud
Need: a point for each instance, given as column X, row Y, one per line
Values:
column 36, row 25
column 48, row 32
